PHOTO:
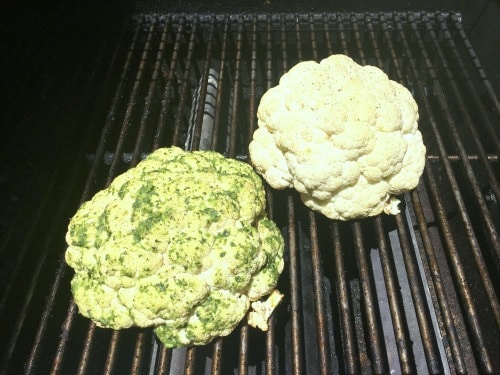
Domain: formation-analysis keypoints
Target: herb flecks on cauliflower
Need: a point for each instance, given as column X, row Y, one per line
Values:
column 343, row 135
column 181, row 242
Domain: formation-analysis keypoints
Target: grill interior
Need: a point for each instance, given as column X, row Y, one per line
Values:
column 412, row 293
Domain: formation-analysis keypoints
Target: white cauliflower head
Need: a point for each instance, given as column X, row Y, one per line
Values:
column 343, row 135
column 181, row 242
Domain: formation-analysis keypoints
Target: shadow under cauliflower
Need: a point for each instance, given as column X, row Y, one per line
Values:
column 181, row 242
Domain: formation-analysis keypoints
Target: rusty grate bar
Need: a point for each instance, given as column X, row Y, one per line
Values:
column 472, row 237
column 72, row 310
column 411, row 293
column 421, row 306
column 460, row 143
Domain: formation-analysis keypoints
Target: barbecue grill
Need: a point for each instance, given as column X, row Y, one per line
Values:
column 91, row 91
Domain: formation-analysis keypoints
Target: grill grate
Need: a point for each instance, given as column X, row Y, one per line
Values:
column 415, row 292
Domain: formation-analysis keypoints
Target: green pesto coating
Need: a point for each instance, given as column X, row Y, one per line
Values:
column 181, row 242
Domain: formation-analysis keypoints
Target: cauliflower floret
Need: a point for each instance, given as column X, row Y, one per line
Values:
column 181, row 242
column 343, row 135
column 215, row 316
column 259, row 316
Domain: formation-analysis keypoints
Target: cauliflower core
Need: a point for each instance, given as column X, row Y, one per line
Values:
column 181, row 242
column 343, row 135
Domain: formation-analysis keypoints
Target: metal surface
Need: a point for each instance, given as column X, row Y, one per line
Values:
column 412, row 293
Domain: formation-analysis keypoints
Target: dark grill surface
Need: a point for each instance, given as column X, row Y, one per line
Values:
column 412, row 293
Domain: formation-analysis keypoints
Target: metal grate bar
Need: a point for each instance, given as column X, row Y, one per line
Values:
column 321, row 317
column 86, row 351
column 112, row 353
column 113, row 171
column 477, row 64
column 133, row 101
column 416, row 287
column 45, row 248
column 464, row 288
column 350, row 351
column 472, row 179
column 11, row 341
column 271, row 355
column 451, row 331
column 490, row 157
column 471, row 88
column 460, row 145
column 243, row 353
column 429, row 343
column 190, row 361
column 270, row 345
column 378, row 357
column 400, row 331
column 180, row 117
column 13, row 272
column 253, row 81
column 203, row 87
column 220, row 86
column 437, row 280
column 139, row 353
column 68, row 323
column 231, row 152
column 164, row 361
column 236, row 91
column 152, row 91
column 346, row 322
column 297, row 360
column 169, row 87
column 423, row 317
column 322, row 341
column 459, row 270
column 442, row 215
column 402, row 336
column 296, row 331
column 373, row 329
column 217, row 356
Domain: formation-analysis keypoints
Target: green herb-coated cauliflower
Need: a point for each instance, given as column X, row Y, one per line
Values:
column 343, row 135
column 181, row 242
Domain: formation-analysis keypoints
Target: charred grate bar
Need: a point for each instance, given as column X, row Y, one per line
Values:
column 411, row 293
